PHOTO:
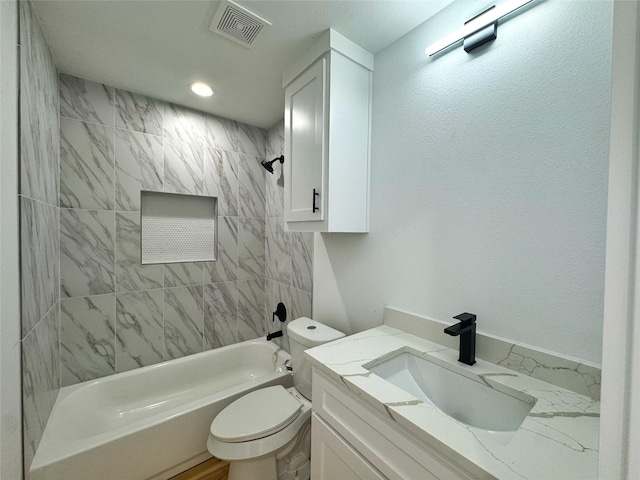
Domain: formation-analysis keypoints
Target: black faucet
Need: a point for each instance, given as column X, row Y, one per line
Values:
column 273, row 335
column 467, row 331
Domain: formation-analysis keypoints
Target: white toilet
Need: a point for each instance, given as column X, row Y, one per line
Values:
column 266, row 434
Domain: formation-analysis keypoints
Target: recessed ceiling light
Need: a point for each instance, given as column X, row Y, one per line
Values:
column 201, row 89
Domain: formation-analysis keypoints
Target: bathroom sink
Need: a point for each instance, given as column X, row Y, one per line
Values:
column 456, row 391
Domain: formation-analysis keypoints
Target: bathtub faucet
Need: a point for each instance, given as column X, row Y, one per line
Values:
column 273, row 335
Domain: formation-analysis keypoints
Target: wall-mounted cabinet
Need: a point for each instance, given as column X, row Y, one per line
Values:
column 327, row 137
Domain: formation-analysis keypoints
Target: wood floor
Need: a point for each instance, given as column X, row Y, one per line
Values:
column 212, row 469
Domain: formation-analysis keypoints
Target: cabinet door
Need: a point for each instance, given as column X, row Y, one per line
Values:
column 305, row 113
column 333, row 458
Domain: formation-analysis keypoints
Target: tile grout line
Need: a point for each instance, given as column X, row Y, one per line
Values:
column 164, row 267
column 115, row 246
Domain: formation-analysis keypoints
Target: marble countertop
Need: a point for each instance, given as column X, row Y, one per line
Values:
column 557, row 440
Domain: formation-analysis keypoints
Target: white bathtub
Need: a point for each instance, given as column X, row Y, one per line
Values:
column 152, row 422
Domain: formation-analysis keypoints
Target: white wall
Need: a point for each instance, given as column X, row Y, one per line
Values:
column 10, row 413
column 488, row 184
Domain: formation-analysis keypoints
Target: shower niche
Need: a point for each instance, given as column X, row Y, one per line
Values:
column 177, row 228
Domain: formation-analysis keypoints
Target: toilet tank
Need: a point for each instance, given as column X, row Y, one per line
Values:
column 306, row 333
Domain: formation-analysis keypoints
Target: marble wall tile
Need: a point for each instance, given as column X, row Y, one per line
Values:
column 302, row 260
column 138, row 113
column 39, row 235
column 40, row 379
column 183, row 274
column 278, row 252
column 139, row 329
column 39, row 106
column 300, row 302
column 225, row 268
column 251, row 310
column 183, row 124
column 251, row 248
column 274, row 195
column 183, row 321
column 87, row 260
column 139, row 166
column 275, row 139
column 220, row 314
column 130, row 274
column 87, row 338
column 277, row 293
column 221, row 179
column 252, row 187
column 183, row 167
column 40, row 253
column 86, row 165
column 251, row 140
column 85, row 100
column 221, row 133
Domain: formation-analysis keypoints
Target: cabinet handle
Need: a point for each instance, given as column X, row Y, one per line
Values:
column 315, row 194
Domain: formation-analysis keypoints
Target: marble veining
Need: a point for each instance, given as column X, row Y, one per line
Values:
column 275, row 181
column 138, row 113
column 87, row 263
column 130, row 274
column 274, row 191
column 221, row 133
column 40, row 379
column 38, row 184
column 87, row 338
column 221, row 179
column 302, row 260
column 558, row 439
column 39, row 106
column 116, row 143
column 220, row 314
column 183, row 274
column 183, row 167
column 251, row 248
column 183, row 124
column 252, row 187
column 183, row 321
column 39, row 252
column 85, row 100
column 278, row 252
column 251, row 314
column 299, row 302
column 86, row 165
column 225, row 268
column 275, row 139
column 576, row 376
column 139, row 329
column 139, row 166
column 251, row 140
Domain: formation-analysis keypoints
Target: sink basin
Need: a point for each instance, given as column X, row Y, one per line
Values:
column 458, row 392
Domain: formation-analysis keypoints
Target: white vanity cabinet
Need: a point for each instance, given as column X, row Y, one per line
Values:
column 351, row 440
column 327, row 137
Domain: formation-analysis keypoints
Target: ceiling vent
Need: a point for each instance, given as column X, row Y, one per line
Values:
column 236, row 23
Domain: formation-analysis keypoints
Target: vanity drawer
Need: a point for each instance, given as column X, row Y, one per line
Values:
column 394, row 453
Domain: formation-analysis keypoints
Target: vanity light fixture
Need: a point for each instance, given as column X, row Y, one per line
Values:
column 202, row 89
column 479, row 30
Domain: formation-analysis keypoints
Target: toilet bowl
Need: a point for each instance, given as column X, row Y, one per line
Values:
column 266, row 434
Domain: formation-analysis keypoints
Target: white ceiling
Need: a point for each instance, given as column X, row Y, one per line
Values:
column 158, row 48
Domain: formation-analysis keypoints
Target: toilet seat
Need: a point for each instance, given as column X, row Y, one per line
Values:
column 232, row 451
column 256, row 415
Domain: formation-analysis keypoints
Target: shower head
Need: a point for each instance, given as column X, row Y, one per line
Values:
column 268, row 166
